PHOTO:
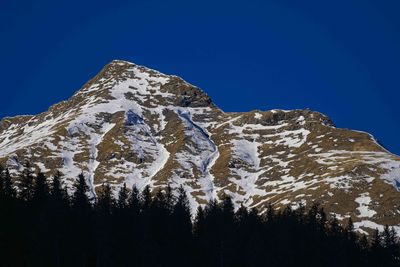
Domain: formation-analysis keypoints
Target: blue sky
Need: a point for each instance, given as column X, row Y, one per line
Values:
column 341, row 58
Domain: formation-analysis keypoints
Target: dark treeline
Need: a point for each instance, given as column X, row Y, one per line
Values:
column 41, row 225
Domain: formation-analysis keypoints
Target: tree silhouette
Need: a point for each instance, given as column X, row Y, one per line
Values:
column 40, row 189
column 44, row 228
column 8, row 186
column 123, row 195
column 26, row 183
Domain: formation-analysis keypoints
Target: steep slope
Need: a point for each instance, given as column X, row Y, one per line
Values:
column 133, row 125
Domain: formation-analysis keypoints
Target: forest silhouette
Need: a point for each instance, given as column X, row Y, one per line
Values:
column 44, row 225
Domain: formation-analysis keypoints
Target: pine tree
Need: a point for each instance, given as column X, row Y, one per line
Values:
column 228, row 208
column 391, row 245
column 59, row 193
column 199, row 222
column 334, row 228
column 134, row 201
column 26, row 183
column 363, row 243
column 376, row 249
column 227, row 221
column 58, row 206
column 8, row 186
column 182, row 227
column 376, row 242
column 82, row 224
column 181, row 206
column 104, row 207
column 133, row 239
column 160, row 201
column 11, row 230
column 40, row 220
column 145, row 198
column 2, row 173
column 169, row 198
column 312, row 216
column 40, row 189
column 80, row 199
column 134, row 197
column 322, row 219
column 123, row 196
column 349, row 231
column 395, row 248
column 270, row 214
column 105, row 201
column 241, row 215
column 56, row 190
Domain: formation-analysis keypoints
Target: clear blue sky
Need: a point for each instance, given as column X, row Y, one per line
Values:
column 341, row 58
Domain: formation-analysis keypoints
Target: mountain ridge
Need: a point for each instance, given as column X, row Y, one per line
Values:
column 130, row 124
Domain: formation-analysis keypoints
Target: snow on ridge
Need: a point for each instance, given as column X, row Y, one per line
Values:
column 247, row 151
column 382, row 159
column 204, row 161
column 96, row 139
column 257, row 115
column 372, row 225
column 31, row 135
column 364, row 201
column 146, row 145
column 393, row 173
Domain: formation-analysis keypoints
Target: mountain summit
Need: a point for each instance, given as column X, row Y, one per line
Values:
column 133, row 125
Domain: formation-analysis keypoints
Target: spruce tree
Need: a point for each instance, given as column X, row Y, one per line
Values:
column 40, row 189
column 270, row 214
column 199, row 222
column 26, row 183
column 104, row 206
column 80, row 200
column 59, row 217
column 228, row 208
column 312, row 216
column 241, row 215
column 334, row 228
column 349, row 231
column 391, row 245
column 1, row 182
column 376, row 249
column 322, row 219
column 56, row 190
column 169, row 198
column 12, row 230
column 123, row 196
column 182, row 227
column 105, row 201
column 227, row 222
column 8, row 186
column 82, row 224
column 376, row 242
column 145, row 197
column 134, row 201
column 160, row 201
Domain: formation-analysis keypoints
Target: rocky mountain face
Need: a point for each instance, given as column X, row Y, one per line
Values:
column 134, row 125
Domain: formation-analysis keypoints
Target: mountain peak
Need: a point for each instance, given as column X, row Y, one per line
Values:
column 125, row 80
column 121, row 62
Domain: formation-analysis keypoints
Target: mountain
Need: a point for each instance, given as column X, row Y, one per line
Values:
column 133, row 125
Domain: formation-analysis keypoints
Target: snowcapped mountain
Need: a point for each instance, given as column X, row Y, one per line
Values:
column 134, row 125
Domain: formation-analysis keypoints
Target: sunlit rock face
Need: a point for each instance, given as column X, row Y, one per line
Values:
column 134, row 125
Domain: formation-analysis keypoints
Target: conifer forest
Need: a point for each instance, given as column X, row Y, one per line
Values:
column 44, row 225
